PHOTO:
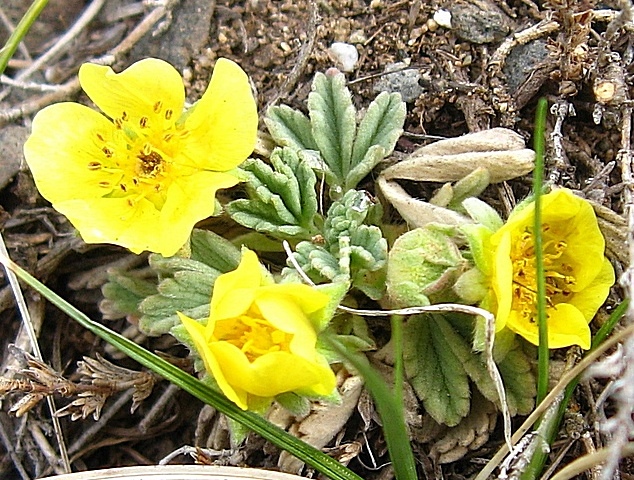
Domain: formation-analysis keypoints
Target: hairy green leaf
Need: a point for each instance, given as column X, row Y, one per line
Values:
column 290, row 128
column 215, row 251
column 282, row 200
column 378, row 132
column 123, row 293
column 350, row 250
column 433, row 368
column 332, row 117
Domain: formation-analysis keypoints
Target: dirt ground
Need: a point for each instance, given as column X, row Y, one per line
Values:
column 485, row 67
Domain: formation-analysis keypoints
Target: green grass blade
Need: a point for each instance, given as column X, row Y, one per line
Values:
column 538, row 180
column 388, row 406
column 313, row 457
column 20, row 32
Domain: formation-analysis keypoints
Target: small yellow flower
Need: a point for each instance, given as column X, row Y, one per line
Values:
column 578, row 276
column 260, row 338
column 145, row 174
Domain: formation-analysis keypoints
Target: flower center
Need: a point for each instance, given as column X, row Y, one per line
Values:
column 254, row 336
column 137, row 156
column 558, row 274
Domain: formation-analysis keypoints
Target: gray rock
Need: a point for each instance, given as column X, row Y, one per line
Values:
column 479, row 22
column 186, row 36
column 12, row 138
column 402, row 81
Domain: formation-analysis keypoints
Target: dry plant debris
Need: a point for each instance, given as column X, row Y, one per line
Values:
column 466, row 66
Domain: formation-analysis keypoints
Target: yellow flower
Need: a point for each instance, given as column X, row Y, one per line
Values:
column 260, row 337
column 145, row 174
column 578, row 276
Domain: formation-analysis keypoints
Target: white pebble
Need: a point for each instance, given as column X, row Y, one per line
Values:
column 443, row 18
column 344, row 55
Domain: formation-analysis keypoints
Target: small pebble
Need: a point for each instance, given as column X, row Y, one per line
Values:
column 443, row 18
column 344, row 55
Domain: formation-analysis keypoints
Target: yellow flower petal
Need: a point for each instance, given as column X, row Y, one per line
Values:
column 61, row 148
column 285, row 314
column 138, row 167
column 578, row 277
column 260, row 340
column 591, row 298
column 270, row 374
column 234, row 291
column 197, row 333
column 566, row 326
column 114, row 220
column 223, row 123
column 149, row 88
column 503, row 281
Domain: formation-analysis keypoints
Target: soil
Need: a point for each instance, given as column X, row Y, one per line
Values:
column 462, row 66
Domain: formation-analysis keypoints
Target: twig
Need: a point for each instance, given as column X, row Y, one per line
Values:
column 40, row 87
column 72, row 86
column 110, row 412
column 158, row 408
column 302, row 58
column 45, row 447
column 560, row 111
column 64, row 42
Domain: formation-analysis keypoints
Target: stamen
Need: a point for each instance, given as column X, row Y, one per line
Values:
column 158, row 106
column 168, row 113
column 143, row 122
column 94, row 165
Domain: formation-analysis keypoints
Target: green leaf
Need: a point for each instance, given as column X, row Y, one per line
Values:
column 434, row 370
column 123, row 293
column 214, row 251
column 519, row 381
column 350, row 249
column 282, row 200
column 378, row 132
column 290, row 128
column 332, row 117
column 185, row 287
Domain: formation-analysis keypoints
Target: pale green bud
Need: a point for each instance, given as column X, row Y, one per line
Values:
column 423, row 266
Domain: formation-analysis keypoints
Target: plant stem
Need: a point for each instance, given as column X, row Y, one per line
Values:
column 20, row 32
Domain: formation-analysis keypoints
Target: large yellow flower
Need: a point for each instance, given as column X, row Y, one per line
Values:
column 260, row 337
column 142, row 177
column 578, row 276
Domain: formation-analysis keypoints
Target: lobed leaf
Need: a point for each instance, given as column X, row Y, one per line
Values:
column 332, row 117
column 433, row 368
column 290, row 128
column 282, row 200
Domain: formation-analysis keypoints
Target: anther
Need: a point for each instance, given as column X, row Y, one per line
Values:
column 94, row 165
column 100, row 137
column 158, row 106
column 143, row 122
column 104, row 184
column 107, row 152
column 168, row 113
